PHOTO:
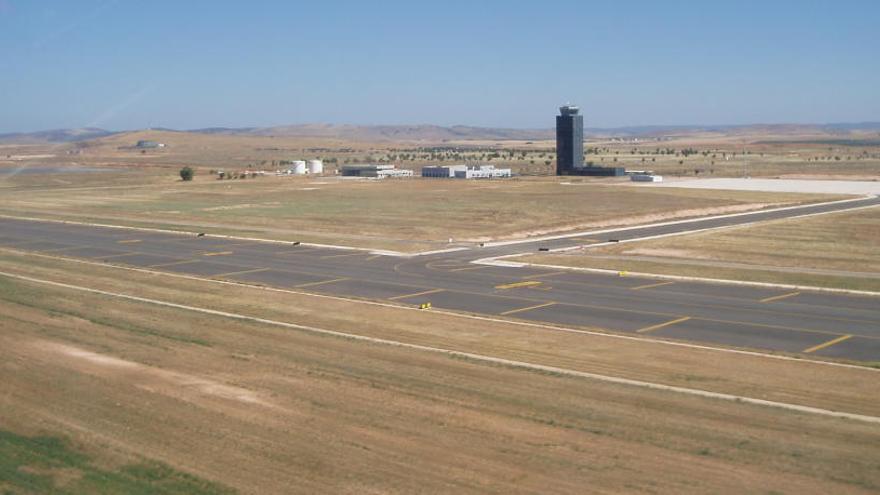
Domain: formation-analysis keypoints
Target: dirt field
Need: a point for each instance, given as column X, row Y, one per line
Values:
column 834, row 250
column 403, row 215
column 265, row 409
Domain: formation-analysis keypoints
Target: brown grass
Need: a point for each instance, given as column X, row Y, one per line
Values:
column 406, row 215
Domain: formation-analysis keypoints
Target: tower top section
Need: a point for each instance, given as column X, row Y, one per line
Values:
column 569, row 110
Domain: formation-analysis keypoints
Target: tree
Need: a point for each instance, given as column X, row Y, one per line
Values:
column 186, row 173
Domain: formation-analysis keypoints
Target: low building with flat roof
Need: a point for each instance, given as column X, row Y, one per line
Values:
column 466, row 172
column 375, row 171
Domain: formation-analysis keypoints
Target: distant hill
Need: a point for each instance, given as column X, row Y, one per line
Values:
column 438, row 134
column 421, row 132
column 55, row 136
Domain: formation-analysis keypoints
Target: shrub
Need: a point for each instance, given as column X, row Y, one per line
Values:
column 186, row 173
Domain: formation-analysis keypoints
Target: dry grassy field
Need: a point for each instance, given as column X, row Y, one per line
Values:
column 835, row 250
column 119, row 390
column 754, row 152
column 403, row 215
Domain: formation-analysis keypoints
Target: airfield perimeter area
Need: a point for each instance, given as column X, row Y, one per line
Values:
column 404, row 215
column 263, row 407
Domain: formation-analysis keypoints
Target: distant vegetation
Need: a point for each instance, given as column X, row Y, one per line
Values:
column 187, row 173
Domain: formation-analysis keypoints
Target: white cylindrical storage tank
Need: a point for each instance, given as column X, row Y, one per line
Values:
column 316, row 167
column 299, row 167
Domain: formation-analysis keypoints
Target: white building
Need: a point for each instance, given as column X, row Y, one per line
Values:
column 646, row 178
column 466, row 172
column 375, row 171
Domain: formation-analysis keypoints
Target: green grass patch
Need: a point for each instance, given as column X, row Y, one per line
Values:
column 50, row 465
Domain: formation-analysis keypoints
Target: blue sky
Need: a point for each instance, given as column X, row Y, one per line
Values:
column 188, row 64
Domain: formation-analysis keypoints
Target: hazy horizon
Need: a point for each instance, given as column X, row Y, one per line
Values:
column 119, row 66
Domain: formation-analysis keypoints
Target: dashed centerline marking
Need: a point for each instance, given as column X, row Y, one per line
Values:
column 312, row 284
column 219, row 253
column 777, row 298
column 342, row 255
column 173, row 263
column 648, row 286
column 242, row 272
column 128, row 241
column 424, row 293
column 117, row 255
column 662, row 325
column 469, row 268
column 545, row 274
column 529, row 308
column 827, row 344
column 514, row 285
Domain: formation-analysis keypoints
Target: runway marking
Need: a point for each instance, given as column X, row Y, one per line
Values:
column 120, row 255
column 298, row 251
column 58, row 250
column 242, row 272
column 482, row 358
column 514, row 285
column 312, row 284
column 550, row 274
column 827, row 344
column 662, row 325
column 218, row 253
column 777, row 298
column 529, row 308
column 648, row 286
column 128, row 241
column 341, row 255
column 424, row 293
column 537, row 325
column 173, row 263
column 469, row 268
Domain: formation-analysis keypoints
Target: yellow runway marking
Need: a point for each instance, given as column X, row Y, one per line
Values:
column 663, row 325
column 312, row 284
column 545, row 274
column 219, row 253
column 173, row 263
column 242, row 272
column 342, row 255
column 827, row 344
column 58, row 250
column 120, row 255
column 128, row 241
column 520, row 310
column 777, row 298
column 648, row 286
column 468, row 268
column 425, row 293
column 297, row 251
column 527, row 283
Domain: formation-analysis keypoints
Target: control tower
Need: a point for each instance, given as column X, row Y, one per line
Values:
column 569, row 140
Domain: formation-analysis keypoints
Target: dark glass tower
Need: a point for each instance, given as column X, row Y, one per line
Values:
column 569, row 140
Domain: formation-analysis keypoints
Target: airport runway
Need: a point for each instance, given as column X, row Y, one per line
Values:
column 815, row 323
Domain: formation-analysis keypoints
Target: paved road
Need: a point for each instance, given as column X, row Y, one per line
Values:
column 821, row 324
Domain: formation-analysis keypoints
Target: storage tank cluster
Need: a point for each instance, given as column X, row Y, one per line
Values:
column 301, row 167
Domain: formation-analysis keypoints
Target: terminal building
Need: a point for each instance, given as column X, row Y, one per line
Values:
column 375, row 171
column 466, row 172
column 570, row 146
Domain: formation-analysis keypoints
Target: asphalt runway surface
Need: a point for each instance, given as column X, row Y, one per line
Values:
column 813, row 323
